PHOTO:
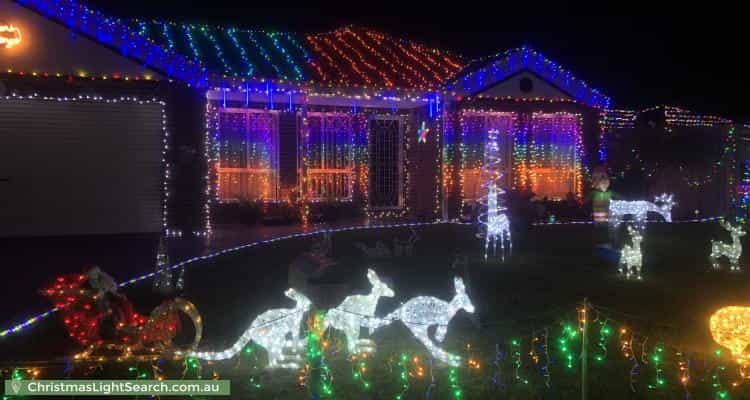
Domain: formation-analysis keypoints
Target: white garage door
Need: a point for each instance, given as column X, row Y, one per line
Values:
column 80, row 167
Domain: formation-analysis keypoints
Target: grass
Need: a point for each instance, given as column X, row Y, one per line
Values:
column 550, row 271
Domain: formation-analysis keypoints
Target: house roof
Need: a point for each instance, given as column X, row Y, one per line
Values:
column 348, row 57
column 487, row 71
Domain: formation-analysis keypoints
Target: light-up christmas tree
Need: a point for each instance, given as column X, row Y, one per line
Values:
column 163, row 278
column 495, row 224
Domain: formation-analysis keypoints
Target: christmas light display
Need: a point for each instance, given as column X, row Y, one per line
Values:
column 496, row 223
column 248, row 165
column 163, row 279
column 498, row 67
column 356, row 311
column 22, row 326
column 10, row 36
column 631, row 258
column 274, row 330
column 85, row 301
column 731, row 251
column 119, row 36
column 639, row 209
column 420, row 313
column 358, row 56
column 730, row 328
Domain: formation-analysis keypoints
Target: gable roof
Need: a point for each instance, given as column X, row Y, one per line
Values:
column 489, row 71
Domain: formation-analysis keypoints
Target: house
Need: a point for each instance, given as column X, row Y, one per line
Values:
column 120, row 126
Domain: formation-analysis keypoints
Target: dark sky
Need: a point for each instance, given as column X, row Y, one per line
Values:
column 638, row 61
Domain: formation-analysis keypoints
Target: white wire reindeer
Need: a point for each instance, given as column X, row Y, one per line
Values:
column 731, row 251
column 356, row 311
column 639, row 209
column 273, row 330
column 420, row 313
column 631, row 258
column 496, row 222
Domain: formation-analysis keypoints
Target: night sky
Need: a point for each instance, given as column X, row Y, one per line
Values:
column 638, row 61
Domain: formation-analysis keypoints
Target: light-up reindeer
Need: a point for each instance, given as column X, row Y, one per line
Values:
column 639, row 209
column 731, row 251
column 631, row 258
column 273, row 330
column 420, row 313
column 356, row 311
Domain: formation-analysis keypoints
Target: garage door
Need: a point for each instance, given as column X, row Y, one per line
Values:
column 80, row 167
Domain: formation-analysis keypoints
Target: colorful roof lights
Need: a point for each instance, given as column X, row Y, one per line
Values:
column 353, row 57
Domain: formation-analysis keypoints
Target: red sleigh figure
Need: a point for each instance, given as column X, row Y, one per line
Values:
column 90, row 303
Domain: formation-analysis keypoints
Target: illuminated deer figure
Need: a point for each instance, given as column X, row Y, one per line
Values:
column 419, row 313
column 270, row 330
column 639, row 209
column 731, row 251
column 631, row 258
column 356, row 311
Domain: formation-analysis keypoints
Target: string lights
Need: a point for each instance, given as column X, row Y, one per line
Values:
column 730, row 328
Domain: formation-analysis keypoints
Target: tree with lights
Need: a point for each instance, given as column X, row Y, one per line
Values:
column 495, row 224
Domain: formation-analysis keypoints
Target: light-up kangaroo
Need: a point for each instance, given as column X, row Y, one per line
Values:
column 356, row 311
column 272, row 330
column 419, row 313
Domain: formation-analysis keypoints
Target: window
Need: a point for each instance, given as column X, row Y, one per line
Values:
column 553, row 160
column 475, row 127
column 248, row 155
column 328, row 156
column 385, row 169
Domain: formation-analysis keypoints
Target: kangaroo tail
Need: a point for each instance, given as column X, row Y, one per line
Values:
column 228, row 353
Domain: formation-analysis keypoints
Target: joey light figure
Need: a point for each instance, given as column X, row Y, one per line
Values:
column 631, row 258
column 639, row 209
column 273, row 330
column 732, row 251
column 420, row 313
column 356, row 311
column 730, row 327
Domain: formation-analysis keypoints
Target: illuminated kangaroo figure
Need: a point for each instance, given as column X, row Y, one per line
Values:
column 419, row 313
column 356, row 311
column 270, row 330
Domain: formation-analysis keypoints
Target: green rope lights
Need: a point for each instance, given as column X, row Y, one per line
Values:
column 403, row 375
column 568, row 335
column 605, row 332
